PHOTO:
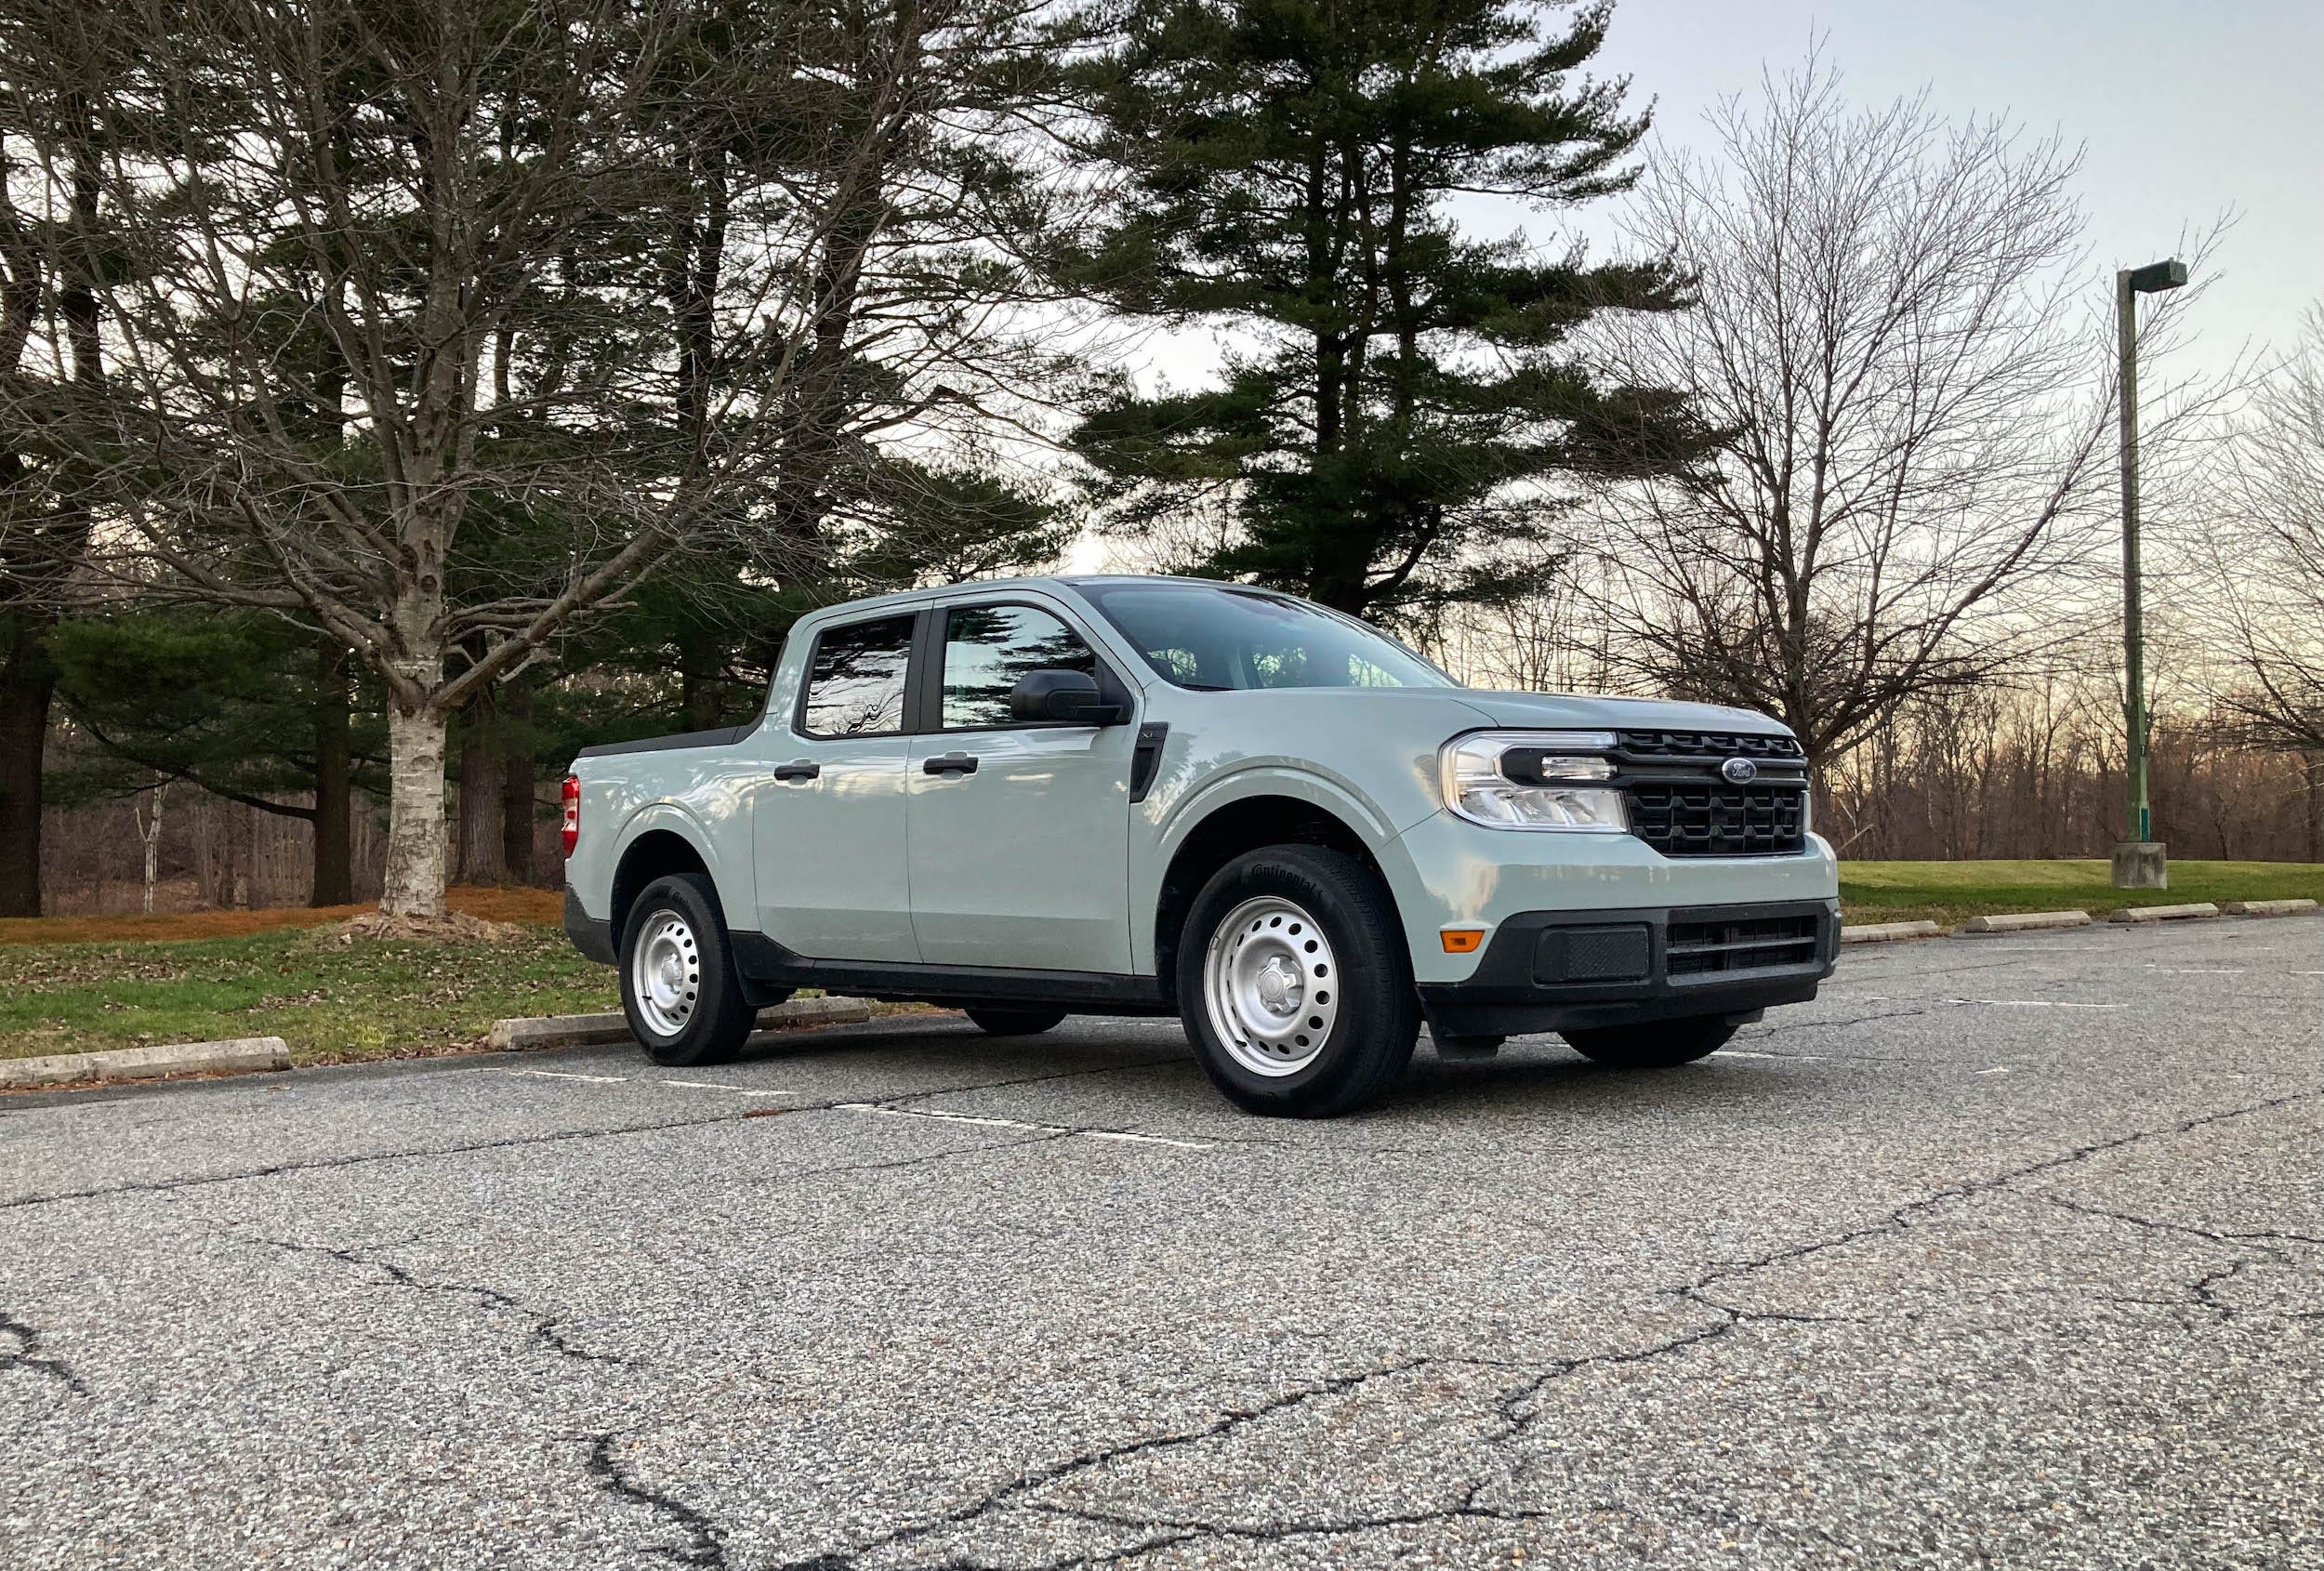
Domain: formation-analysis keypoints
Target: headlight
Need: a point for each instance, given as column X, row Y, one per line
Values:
column 1532, row 780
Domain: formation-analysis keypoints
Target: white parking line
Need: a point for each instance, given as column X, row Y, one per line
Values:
column 1147, row 1140
column 942, row 1116
column 714, row 1085
column 2028, row 1004
column 563, row 1075
column 1746, row 1053
column 1987, row 1003
column 947, row 1117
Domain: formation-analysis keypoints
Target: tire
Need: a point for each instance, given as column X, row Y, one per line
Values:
column 1655, row 1044
column 1314, row 930
column 995, row 1021
column 680, row 991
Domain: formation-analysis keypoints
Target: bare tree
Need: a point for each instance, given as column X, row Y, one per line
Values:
column 440, row 325
column 2263, row 556
column 1912, row 402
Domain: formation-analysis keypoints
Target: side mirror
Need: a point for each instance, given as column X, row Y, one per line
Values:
column 1068, row 696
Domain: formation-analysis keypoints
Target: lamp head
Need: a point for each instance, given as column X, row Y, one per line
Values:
column 2155, row 277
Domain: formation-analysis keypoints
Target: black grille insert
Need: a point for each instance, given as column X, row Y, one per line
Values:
column 1760, row 944
column 1704, row 745
column 1711, row 818
column 1606, row 953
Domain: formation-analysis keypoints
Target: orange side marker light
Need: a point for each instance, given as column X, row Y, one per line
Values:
column 1462, row 941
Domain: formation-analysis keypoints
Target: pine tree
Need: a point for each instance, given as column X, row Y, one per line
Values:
column 1406, row 393
column 248, row 706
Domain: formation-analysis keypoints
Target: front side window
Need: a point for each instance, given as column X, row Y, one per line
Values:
column 989, row 649
column 1223, row 637
column 855, row 681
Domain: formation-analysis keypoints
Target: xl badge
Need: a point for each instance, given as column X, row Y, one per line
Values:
column 1742, row 771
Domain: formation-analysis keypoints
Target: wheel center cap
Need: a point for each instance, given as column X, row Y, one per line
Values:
column 1278, row 986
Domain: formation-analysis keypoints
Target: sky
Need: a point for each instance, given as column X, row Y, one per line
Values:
column 2185, row 113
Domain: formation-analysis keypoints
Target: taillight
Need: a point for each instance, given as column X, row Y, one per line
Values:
column 571, row 833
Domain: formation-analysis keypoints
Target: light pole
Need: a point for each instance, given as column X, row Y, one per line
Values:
column 2139, row 863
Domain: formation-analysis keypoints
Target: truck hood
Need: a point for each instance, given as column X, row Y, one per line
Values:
column 1566, row 711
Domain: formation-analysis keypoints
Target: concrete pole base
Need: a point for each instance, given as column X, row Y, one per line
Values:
column 2141, row 864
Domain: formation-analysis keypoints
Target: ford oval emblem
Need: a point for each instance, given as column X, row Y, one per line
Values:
column 1742, row 771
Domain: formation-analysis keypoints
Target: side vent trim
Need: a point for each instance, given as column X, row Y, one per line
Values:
column 1145, row 759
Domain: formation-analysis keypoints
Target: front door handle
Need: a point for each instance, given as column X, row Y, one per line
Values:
column 949, row 763
column 798, row 769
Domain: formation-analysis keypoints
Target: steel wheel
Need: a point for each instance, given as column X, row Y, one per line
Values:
column 666, row 973
column 1272, row 987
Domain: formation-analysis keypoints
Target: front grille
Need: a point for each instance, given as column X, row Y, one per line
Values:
column 1712, row 818
column 1760, row 944
column 1704, row 745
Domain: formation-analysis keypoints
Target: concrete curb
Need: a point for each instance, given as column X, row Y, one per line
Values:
column 2025, row 921
column 1889, row 933
column 2163, row 913
column 591, row 1030
column 2268, row 907
column 242, row 1053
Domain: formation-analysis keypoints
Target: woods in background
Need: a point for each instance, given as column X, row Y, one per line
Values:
column 393, row 397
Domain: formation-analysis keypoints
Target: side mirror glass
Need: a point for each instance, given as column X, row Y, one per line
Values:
column 1070, row 697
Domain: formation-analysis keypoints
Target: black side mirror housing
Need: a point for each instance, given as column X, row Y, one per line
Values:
column 1066, row 697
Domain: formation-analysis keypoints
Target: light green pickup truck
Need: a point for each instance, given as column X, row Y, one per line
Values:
column 1156, row 796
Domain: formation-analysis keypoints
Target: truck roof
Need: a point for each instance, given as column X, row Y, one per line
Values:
column 1031, row 581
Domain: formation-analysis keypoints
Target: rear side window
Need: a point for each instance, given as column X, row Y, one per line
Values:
column 988, row 649
column 855, row 681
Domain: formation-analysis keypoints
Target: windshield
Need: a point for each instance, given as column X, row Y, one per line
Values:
column 1222, row 639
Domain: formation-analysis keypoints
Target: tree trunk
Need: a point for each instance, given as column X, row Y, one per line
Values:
column 516, row 782
column 149, row 832
column 2315, row 770
column 698, row 665
column 335, row 862
column 414, row 884
column 480, row 794
column 24, row 698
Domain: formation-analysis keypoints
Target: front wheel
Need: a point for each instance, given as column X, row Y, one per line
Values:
column 1294, row 984
column 1656, row 1044
column 680, row 991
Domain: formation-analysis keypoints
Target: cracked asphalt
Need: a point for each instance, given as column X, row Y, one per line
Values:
column 2003, row 1252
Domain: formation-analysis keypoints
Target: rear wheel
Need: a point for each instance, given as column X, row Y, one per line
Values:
column 1656, row 1044
column 1294, row 984
column 680, row 991
column 997, row 1021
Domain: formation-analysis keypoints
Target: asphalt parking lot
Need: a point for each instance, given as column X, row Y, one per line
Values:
column 2005, row 1252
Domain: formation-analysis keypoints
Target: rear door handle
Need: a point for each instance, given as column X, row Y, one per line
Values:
column 949, row 763
column 800, row 769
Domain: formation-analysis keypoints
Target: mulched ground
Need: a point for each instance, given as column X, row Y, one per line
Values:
column 538, row 907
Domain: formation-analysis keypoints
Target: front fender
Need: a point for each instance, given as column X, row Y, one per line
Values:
column 1184, row 813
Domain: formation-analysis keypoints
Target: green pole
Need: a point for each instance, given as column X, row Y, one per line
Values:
column 2141, row 825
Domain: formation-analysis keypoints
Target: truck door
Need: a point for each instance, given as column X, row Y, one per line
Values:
column 827, row 830
column 1019, row 832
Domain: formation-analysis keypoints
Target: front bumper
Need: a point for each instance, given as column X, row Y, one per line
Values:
column 1553, row 971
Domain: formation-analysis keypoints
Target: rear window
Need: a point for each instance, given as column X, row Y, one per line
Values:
column 855, row 681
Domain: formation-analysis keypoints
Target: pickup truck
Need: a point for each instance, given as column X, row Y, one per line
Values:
column 1149, row 796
